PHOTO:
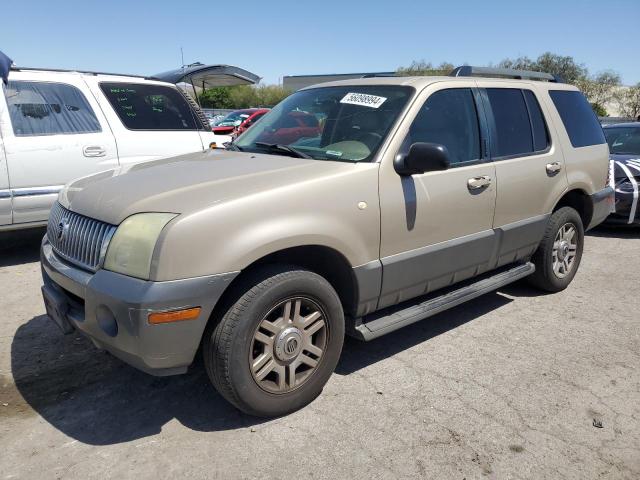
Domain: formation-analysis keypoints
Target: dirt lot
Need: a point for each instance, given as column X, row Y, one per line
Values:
column 508, row 386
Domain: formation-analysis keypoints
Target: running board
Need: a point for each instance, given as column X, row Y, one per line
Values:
column 379, row 324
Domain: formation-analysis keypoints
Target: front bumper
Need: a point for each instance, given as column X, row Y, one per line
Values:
column 112, row 310
column 602, row 203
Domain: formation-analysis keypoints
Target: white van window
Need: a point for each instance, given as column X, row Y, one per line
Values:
column 45, row 108
column 149, row 106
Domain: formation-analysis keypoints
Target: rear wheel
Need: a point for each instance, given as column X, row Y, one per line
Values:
column 277, row 345
column 560, row 251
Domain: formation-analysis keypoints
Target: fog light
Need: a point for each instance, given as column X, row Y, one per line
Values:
column 174, row 315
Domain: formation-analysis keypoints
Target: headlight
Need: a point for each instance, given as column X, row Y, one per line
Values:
column 131, row 248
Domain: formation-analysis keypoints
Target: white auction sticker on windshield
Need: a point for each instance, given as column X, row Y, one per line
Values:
column 363, row 99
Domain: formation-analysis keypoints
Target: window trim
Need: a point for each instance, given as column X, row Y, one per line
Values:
column 482, row 128
column 79, row 90
column 493, row 133
column 196, row 120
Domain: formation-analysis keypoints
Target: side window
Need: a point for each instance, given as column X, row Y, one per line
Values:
column 43, row 108
column 149, row 106
column 578, row 118
column 512, row 135
column 539, row 126
column 448, row 117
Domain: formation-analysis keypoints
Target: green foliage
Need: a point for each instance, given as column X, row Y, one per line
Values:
column 243, row 96
column 423, row 68
column 599, row 110
column 216, row 98
column 629, row 101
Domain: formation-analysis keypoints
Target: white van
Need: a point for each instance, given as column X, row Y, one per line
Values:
column 59, row 125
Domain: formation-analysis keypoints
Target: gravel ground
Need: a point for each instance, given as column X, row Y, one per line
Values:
column 510, row 385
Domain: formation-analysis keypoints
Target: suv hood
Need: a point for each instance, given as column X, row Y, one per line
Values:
column 189, row 183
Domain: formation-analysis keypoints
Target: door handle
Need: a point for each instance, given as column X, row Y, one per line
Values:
column 553, row 168
column 93, row 151
column 476, row 183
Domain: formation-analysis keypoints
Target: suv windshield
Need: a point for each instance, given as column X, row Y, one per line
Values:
column 623, row 140
column 332, row 123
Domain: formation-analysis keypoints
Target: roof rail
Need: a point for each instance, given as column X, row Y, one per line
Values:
column 15, row 68
column 376, row 75
column 468, row 71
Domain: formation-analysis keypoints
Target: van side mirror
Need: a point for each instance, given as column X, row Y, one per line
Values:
column 422, row 157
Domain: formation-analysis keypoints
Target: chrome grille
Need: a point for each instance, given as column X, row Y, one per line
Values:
column 78, row 239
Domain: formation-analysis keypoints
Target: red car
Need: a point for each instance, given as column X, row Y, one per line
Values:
column 237, row 122
column 292, row 127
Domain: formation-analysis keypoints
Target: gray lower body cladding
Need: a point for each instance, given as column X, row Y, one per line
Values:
column 113, row 309
column 424, row 270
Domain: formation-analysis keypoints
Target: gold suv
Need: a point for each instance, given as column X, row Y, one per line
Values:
column 358, row 206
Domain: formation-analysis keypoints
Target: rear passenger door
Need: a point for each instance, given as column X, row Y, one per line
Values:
column 529, row 167
column 53, row 132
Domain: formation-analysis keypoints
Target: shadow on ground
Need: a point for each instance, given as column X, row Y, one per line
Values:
column 96, row 399
column 607, row 231
column 20, row 246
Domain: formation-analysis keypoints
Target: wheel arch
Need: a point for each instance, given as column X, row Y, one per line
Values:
column 580, row 201
column 320, row 259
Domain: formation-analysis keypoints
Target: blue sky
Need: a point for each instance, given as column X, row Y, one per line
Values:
column 276, row 38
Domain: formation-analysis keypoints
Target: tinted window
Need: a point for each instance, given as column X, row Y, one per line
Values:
column 540, row 133
column 449, row 118
column 579, row 120
column 623, row 140
column 39, row 108
column 512, row 127
column 149, row 107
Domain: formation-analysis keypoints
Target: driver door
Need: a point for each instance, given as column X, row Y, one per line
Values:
column 436, row 227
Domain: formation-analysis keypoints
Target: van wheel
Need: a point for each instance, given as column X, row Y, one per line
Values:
column 560, row 251
column 279, row 342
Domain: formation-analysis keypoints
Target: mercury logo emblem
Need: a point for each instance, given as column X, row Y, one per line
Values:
column 63, row 229
column 291, row 345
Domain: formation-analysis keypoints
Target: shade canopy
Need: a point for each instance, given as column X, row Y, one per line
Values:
column 209, row 76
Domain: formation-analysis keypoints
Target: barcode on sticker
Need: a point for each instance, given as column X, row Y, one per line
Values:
column 363, row 99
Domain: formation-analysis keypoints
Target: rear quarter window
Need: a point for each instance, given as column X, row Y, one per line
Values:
column 578, row 118
column 149, row 106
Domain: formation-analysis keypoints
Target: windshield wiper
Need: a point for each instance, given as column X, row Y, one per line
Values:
column 277, row 147
column 232, row 146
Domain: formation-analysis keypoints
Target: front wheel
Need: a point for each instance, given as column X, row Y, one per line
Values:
column 277, row 345
column 560, row 251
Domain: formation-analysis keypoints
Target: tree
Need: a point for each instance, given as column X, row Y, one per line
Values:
column 599, row 110
column 243, row 96
column 423, row 68
column 563, row 66
column 218, row 97
column 629, row 101
column 600, row 89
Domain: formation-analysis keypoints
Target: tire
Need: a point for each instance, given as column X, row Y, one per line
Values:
column 546, row 277
column 237, row 351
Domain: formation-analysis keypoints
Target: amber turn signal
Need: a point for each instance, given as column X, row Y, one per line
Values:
column 174, row 316
column 213, row 145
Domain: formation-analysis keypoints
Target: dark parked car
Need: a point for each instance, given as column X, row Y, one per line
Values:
column 624, row 148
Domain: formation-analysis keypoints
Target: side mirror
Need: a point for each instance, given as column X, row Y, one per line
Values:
column 422, row 157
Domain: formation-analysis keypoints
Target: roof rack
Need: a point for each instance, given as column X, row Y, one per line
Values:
column 376, row 75
column 468, row 71
column 86, row 72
